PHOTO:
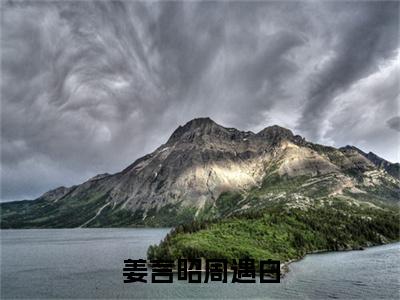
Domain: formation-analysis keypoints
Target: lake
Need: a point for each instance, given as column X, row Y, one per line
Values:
column 87, row 263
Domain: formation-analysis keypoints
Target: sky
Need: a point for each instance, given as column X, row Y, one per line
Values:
column 88, row 87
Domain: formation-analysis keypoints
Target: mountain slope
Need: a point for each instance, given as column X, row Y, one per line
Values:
column 379, row 162
column 281, row 233
column 205, row 171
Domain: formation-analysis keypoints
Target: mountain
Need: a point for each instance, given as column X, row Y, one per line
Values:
column 206, row 171
column 379, row 162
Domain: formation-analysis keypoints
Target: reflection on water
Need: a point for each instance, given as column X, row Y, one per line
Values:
column 87, row 263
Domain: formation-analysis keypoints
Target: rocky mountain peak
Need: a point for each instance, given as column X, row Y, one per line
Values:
column 276, row 133
column 352, row 148
column 201, row 129
column 200, row 123
column 196, row 128
column 392, row 168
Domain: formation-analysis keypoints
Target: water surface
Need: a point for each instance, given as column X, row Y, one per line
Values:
column 87, row 263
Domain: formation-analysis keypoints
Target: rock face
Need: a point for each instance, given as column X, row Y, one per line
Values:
column 379, row 162
column 185, row 178
column 198, row 162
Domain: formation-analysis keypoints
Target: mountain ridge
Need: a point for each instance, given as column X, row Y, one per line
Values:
column 200, row 162
column 392, row 168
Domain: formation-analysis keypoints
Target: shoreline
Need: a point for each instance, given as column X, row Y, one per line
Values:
column 285, row 265
column 284, row 268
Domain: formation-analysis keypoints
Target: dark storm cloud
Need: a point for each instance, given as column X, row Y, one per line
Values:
column 370, row 35
column 394, row 123
column 89, row 86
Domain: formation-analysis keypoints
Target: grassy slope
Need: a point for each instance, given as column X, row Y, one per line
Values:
column 72, row 212
column 66, row 213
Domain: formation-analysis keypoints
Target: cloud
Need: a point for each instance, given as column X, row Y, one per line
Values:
column 89, row 86
column 358, row 115
column 394, row 123
column 370, row 36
